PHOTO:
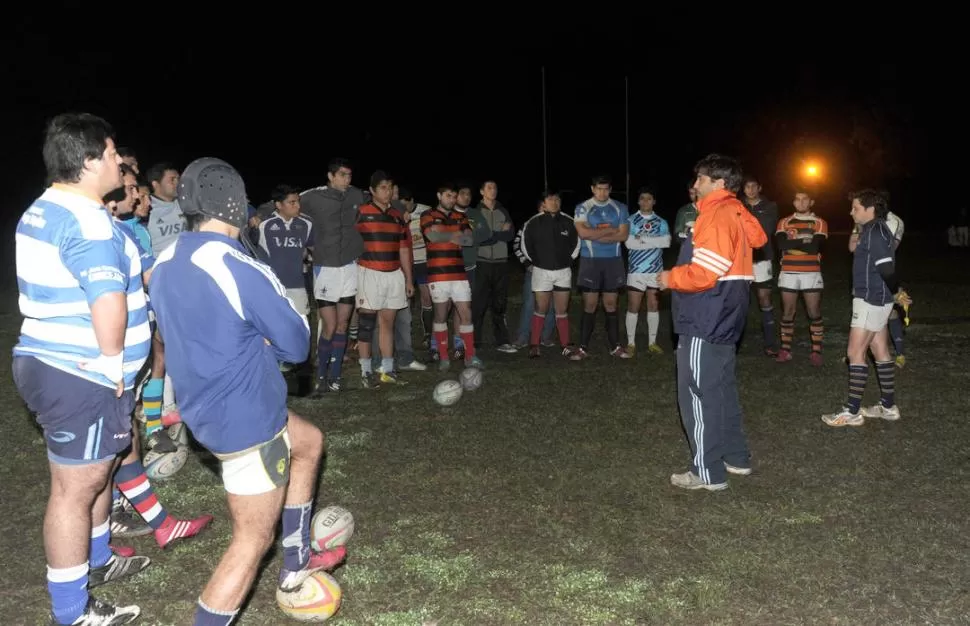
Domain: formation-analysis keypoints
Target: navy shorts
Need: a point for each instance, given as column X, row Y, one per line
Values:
column 83, row 422
column 419, row 272
column 602, row 275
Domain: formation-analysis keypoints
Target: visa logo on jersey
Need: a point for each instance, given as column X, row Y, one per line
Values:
column 288, row 242
column 169, row 230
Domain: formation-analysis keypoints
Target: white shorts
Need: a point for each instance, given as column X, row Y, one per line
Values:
column 259, row 469
column 800, row 281
column 870, row 316
column 332, row 284
column 300, row 299
column 547, row 280
column 762, row 272
column 454, row 290
column 378, row 290
column 642, row 282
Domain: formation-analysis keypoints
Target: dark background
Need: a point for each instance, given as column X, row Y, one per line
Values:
column 279, row 107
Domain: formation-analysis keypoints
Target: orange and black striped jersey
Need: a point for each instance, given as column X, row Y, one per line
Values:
column 384, row 235
column 445, row 259
column 799, row 237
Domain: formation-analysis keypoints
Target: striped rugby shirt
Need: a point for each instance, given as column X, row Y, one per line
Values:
column 384, row 235
column 445, row 259
column 69, row 253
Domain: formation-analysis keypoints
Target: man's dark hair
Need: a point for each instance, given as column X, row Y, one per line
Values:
column 602, row 179
column 718, row 166
column 404, row 193
column 447, row 186
column 157, row 171
column 69, row 140
column 648, row 190
column 280, row 192
column 124, row 152
column 127, row 170
column 872, row 198
column 379, row 177
column 336, row 163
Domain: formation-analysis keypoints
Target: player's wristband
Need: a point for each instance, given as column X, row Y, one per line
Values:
column 111, row 367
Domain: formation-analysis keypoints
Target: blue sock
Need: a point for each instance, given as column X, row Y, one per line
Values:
column 68, row 588
column 387, row 364
column 205, row 616
column 296, row 536
column 768, row 327
column 434, row 344
column 100, row 551
column 459, row 344
column 339, row 343
column 896, row 334
column 324, row 347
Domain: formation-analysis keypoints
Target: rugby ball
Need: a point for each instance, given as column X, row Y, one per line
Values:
column 317, row 599
column 330, row 528
column 471, row 378
column 164, row 465
column 447, row 392
column 179, row 434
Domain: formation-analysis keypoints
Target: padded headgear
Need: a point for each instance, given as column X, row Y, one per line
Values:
column 213, row 188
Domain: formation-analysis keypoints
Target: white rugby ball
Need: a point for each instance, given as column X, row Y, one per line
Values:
column 179, row 434
column 330, row 528
column 447, row 392
column 471, row 378
column 164, row 465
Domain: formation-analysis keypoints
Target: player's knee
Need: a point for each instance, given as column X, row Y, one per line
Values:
column 366, row 322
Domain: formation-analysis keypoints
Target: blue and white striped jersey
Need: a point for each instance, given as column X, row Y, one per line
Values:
column 70, row 252
column 649, row 235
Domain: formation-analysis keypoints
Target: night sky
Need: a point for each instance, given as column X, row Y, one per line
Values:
column 425, row 113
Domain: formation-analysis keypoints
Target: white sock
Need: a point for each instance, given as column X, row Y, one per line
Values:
column 653, row 320
column 168, row 394
column 631, row 328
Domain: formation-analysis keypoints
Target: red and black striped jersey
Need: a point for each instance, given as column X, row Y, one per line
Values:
column 445, row 259
column 384, row 235
column 798, row 237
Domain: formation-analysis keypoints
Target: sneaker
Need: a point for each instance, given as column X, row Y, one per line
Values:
column 390, row 378
column 844, row 417
column 507, row 348
column 738, row 471
column 475, row 362
column 334, row 385
column 320, row 388
column 579, row 354
column 816, row 359
column 655, row 349
column 414, row 366
column 116, row 568
column 292, row 580
column 434, row 355
column 783, row 356
column 900, row 361
column 180, row 529
column 458, row 354
column 569, row 351
column 534, row 352
column 547, row 343
column 444, row 365
column 98, row 613
column 369, row 381
column 519, row 345
column 631, row 349
column 126, row 524
column 879, row 411
column 620, row 353
column 690, row 480
column 160, row 442
column 426, row 342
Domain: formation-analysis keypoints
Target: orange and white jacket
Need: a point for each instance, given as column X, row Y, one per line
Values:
column 713, row 275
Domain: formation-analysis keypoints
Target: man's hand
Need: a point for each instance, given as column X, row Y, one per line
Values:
column 902, row 298
column 409, row 289
column 254, row 221
column 507, row 226
column 663, row 281
column 111, row 367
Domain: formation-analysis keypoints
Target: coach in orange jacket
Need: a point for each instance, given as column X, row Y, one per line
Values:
column 710, row 285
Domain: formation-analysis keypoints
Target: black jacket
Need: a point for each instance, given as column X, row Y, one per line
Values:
column 550, row 241
column 336, row 241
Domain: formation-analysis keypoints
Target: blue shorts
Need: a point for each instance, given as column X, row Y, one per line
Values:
column 83, row 422
column 419, row 272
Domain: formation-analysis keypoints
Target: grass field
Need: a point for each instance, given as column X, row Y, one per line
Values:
column 544, row 497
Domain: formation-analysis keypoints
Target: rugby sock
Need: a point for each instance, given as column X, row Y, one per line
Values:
column 896, row 333
column 562, row 325
column 206, row 616
column 468, row 337
column 339, row 342
column 858, row 374
column 296, row 536
column 818, row 332
column 613, row 328
column 427, row 314
column 885, row 372
column 324, row 348
column 387, row 364
column 151, row 400
column 535, row 329
column 653, row 325
column 168, row 394
column 787, row 333
column 366, row 367
column 768, row 327
column 100, row 551
column 458, row 342
column 586, row 328
column 631, row 328
column 352, row 332
column 134, row 484
column 68, row 588
column 441, row 337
